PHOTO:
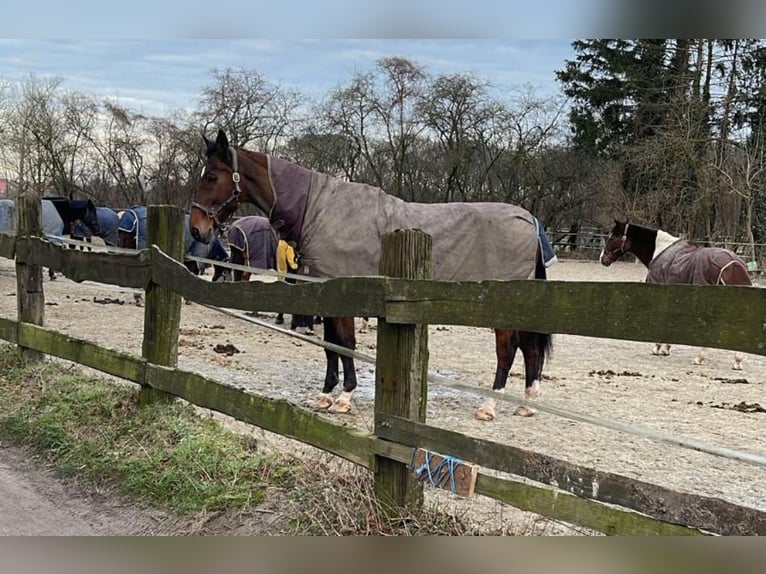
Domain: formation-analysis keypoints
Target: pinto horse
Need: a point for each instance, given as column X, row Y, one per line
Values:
column 337, row 227
column 671, row 259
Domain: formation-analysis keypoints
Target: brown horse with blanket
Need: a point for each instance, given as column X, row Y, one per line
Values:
column 338, row 226
column 670, row 259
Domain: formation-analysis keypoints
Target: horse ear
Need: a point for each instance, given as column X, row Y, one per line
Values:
column 222, row 140
column 222, row 146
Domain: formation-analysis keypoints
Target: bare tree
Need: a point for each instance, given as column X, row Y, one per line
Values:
column 253, row 111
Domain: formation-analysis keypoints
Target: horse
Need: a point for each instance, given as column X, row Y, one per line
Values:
column 338, row 226
column 253, row 242
column 59, row 214
column 108, row 222
column 131, row 234
column 670, row 259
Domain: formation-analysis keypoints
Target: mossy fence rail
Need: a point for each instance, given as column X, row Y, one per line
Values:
column 405, row 301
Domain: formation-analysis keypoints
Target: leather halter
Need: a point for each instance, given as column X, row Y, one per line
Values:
column 617, row 253
column 226, row 207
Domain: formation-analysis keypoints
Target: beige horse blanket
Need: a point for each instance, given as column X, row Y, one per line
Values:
column 338, row 227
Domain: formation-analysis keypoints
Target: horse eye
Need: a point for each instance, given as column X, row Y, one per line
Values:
column 211, row 176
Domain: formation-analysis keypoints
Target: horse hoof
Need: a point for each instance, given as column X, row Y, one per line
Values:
column 322, row 403
column 736, row 367
column 697, row 361
column 532, row 392
column 340, row 408
column 524, row 411
column 483, row 414
column 665, row 353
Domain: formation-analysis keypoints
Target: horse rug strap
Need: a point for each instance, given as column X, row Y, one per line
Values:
column 685, row 263
column 344, row 224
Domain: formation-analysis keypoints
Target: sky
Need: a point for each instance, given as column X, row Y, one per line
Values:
column 152, row 76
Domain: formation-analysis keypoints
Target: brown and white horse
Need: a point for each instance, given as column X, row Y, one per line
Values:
column 329, row 221
column 671, row 259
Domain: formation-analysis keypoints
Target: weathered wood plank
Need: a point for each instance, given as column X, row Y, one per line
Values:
column 162, row 313
column 125, row 270
column 443, row 472
column 275, row 415
column 401, row 367
column 7, row 245
column 344, row 297
column 50, row 342
column 30, row 298
column 570, row 508
column 9, row 330
column 706, row 513
column 730, row 317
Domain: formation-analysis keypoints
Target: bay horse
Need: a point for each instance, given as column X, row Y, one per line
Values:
column 337, row 227
column 670, row 259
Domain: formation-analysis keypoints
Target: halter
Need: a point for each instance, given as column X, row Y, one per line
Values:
column 621, row 249
column 234, row 196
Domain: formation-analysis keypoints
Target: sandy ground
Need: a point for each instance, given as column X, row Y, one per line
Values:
column 613, row 379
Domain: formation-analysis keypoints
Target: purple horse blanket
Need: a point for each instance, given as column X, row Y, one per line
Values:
column 338, row 227
column 256, row 238
column 683, row 262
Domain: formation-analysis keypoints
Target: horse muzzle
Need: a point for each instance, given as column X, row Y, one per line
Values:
column 201, row 234
column 606, row 258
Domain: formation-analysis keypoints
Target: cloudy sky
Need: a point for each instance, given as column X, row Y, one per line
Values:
column 154, row 75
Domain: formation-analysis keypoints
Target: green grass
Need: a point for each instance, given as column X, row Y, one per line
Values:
column 169, row 456
column 166, row 455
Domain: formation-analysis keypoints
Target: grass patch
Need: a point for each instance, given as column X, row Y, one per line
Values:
column 170, row 456
column 166, row 455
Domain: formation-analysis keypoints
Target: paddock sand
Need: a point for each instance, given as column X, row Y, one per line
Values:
column 612, row 379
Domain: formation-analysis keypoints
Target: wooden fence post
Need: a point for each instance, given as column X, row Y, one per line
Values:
column 401, row 367
column 162, row 313
column 30, row 299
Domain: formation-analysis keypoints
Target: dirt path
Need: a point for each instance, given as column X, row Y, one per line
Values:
column 34, row 502
column 618, row 380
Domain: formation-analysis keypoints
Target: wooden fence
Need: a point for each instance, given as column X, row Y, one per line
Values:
column 405, row 302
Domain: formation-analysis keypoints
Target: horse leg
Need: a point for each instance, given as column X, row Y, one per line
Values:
column 365, row 325
column 738, row 358
column 700, row 358
column 337, row 331
column 506, row 343
column 346, row 338
column 658, row 349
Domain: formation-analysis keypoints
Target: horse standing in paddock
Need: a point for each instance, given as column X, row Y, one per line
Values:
column 59, row 215
column 338, row 226
column 131, row 234
column 671, row 259
column 253, row 242
column 108, row 222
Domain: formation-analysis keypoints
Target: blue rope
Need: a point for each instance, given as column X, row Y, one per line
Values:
column 438, row 476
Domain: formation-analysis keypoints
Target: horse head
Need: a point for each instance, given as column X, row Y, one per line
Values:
column 223, row 187
column 617, row 244
column 84, row 221
column 90, row 218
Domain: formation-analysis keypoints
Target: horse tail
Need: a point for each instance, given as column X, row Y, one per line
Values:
column 543, row 341
column 540, row 272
